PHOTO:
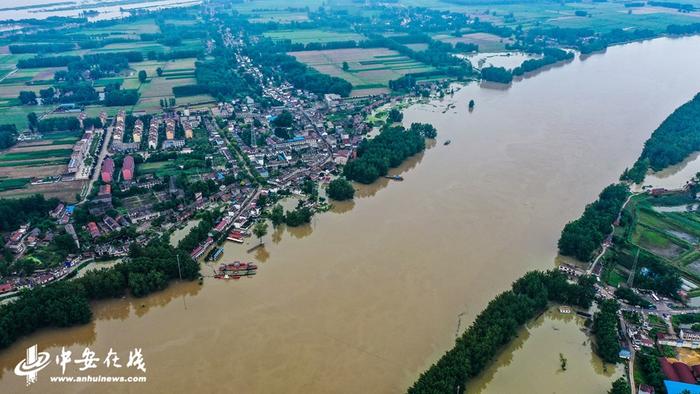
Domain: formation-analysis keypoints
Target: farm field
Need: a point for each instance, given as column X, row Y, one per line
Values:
column 133, row 28
column 159, row 169
column 63, row 190
column 279, row 16
column 418, row 46
column 305, row 36
column 661, row 229
column 181, row 22
column 17, row 114
column 604, row 16
column 254, row 7
column 27, row 161
column 14, row 81
column 369, row 71
column 175, row 73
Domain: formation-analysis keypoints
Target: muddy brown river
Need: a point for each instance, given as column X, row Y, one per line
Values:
column 375, row 291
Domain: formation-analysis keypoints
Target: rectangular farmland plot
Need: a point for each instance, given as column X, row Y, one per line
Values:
column 368, row 68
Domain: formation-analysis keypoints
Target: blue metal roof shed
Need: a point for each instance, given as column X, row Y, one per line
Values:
column 679, row 387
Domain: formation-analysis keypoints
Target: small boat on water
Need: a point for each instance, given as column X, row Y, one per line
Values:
column 447, row 142
column 236, row 270
column 235, row 236
column 394, row 177
column 235, row 275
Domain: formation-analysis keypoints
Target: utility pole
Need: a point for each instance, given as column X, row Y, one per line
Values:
column 630, row 280
column 178, row 266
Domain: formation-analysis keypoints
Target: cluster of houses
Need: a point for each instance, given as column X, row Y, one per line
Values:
column 107, row 225
column 40, row 277
column 686, row 339
column 314, row 141
column 21, row 241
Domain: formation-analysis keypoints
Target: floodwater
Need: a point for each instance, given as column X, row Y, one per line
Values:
column 675, row 176
column 97, row 265
column 370, row 294
column 180, row 233
column 533, row 361
column 42, row 9
column 509, row 60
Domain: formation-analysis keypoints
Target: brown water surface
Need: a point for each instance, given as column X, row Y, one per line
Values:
column 368, row 295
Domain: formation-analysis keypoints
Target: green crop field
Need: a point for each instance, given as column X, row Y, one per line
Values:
column 279, row 17
column 160, row 169
column 670, row 235
column 370, row 69
column 10, row 184
column 254, row 7
column 602, row 16
column 35, row 163
column 42, row 154
column 305, row 36
column 17, row 115
column 178, row 72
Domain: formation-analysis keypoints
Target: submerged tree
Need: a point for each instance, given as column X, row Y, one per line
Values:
column 340, row 189
column 260, row 230
column 562, row 361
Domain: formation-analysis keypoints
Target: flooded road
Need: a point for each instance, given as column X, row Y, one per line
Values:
column 368, row 295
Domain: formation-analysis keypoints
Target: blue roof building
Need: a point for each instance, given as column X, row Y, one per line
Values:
column 625, row 353
column 679, row 387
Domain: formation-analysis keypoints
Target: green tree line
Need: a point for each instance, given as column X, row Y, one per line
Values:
column 605, row 327
column 582, row 236
column 387, row 150
column 676, row 138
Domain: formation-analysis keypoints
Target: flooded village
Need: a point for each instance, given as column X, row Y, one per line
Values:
column 284, row 215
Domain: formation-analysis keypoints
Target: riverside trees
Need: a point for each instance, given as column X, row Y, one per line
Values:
column 605, row 325
column 340, row 189
column 496, row 74
column 676, row 138
column 582, row 236
column 387, row 150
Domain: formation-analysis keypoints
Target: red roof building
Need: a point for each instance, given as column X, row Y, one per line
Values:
column 128, row 169
column 696, row 370
column 668, row 370
column 684, row 373
column 107, row 170
column 94, row 231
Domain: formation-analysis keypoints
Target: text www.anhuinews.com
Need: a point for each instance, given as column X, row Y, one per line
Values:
column 98, row 379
